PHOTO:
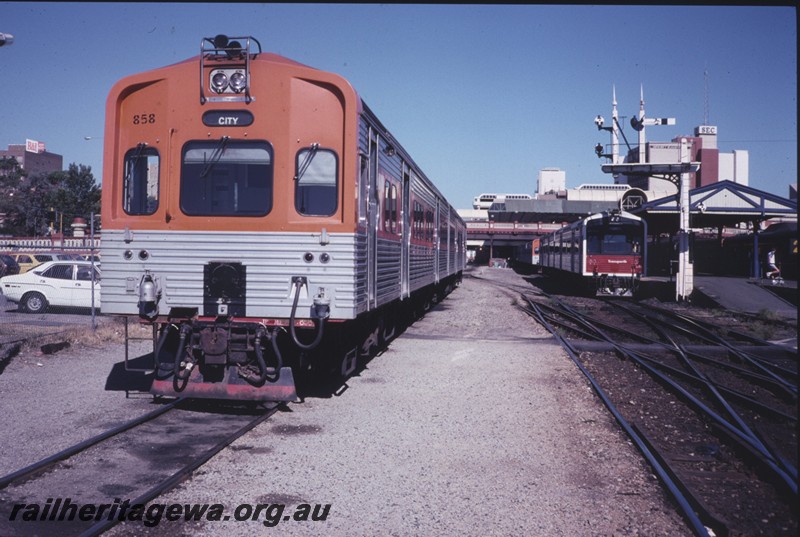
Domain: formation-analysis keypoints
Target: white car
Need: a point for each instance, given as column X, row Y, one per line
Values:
column 54, row 283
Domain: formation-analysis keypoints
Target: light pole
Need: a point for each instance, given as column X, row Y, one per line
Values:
column 6, row 39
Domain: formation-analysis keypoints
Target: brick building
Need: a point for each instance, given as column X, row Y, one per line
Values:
column 34, row 158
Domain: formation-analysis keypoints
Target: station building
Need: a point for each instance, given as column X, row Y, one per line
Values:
column 34, row 158
column 714, row 165
column 721, row 203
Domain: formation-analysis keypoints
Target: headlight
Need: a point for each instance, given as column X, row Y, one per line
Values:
column 238, row 82
column 219, row 81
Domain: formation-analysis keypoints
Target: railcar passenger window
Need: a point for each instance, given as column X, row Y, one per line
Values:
column 390, row 208
column 140, row 180
column 226, row 178
column 395, row 228
column 387, row 202
column 316, row 190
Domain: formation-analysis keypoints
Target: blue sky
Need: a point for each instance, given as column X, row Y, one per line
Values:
column 482, row 96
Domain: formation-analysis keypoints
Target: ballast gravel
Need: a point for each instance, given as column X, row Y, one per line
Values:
column 472, row 422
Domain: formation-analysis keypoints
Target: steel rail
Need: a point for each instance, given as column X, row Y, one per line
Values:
column 771, row 462
column 182, row 474
column 744, row 399
column 763, row 455
column 734, row 394
column 792, row 388
column 768, row 381
column 709, row 386
column 82, row 446
column 757, row 343
column 705, row 331
column 680, row 497
column 756, row 377
column 735, row 369
column 554, row 320
column 735, row 333
column 598, row 322
column 719, row 526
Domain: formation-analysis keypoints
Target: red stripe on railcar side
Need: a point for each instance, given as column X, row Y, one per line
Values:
column 614, row 264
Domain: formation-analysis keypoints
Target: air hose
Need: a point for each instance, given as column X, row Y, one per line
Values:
column 298, row 282
column 181, row 374
column 262, row 365
column 160, row 346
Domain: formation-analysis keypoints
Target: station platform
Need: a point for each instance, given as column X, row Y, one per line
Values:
column 749, row 295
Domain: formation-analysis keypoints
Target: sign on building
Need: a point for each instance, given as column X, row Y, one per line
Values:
column 32, row 146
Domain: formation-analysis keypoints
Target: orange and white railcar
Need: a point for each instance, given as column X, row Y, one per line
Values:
column 249, row 202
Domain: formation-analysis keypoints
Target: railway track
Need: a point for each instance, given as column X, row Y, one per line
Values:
column 134, row 462
column 712, row 408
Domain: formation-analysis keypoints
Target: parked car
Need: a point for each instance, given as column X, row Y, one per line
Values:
column 29, row 259
column 54, row 283
column 8, row 265
column 25, row 260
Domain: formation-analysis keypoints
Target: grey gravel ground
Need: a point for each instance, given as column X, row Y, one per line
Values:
column 50, row 402
column 473, row 422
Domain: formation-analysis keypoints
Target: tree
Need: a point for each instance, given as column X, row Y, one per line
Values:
column 74, row 193
column 70, row 194
column 11, row 178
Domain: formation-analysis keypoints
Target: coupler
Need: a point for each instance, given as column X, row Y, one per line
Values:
column 221, row 359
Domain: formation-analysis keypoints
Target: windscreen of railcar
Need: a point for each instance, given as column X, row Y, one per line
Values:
column 613, row 238
column 226, row 178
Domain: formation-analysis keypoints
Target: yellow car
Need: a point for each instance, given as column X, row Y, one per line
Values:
column 28, row 260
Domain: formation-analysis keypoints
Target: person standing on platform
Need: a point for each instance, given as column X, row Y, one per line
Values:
column 772, row 268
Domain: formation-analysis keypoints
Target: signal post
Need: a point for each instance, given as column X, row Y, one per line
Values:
column 677, row 173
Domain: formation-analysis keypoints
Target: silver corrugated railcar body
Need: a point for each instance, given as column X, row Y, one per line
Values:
column 176, row 261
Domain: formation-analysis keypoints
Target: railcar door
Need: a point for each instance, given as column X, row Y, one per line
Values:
column 373, row 206
column 437, row 244
column 573, row 252
column 405, row 249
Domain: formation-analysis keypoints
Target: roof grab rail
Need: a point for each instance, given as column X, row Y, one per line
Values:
column 227, row 51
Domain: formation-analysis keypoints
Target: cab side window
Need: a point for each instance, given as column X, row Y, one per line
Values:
column 140, row 181
column 316, row 185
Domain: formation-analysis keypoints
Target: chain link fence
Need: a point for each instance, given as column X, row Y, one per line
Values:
column 50, row 286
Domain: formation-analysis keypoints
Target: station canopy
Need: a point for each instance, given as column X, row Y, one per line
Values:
column 547, row 211
column 720, row 204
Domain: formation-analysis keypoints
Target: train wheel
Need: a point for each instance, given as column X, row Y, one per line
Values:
column 370, row 341
column 389, row 329
column 350, row 362
column 33, row 303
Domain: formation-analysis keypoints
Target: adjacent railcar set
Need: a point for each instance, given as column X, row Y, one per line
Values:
column 528, row 253
column 259, row 216
column 605, row 252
